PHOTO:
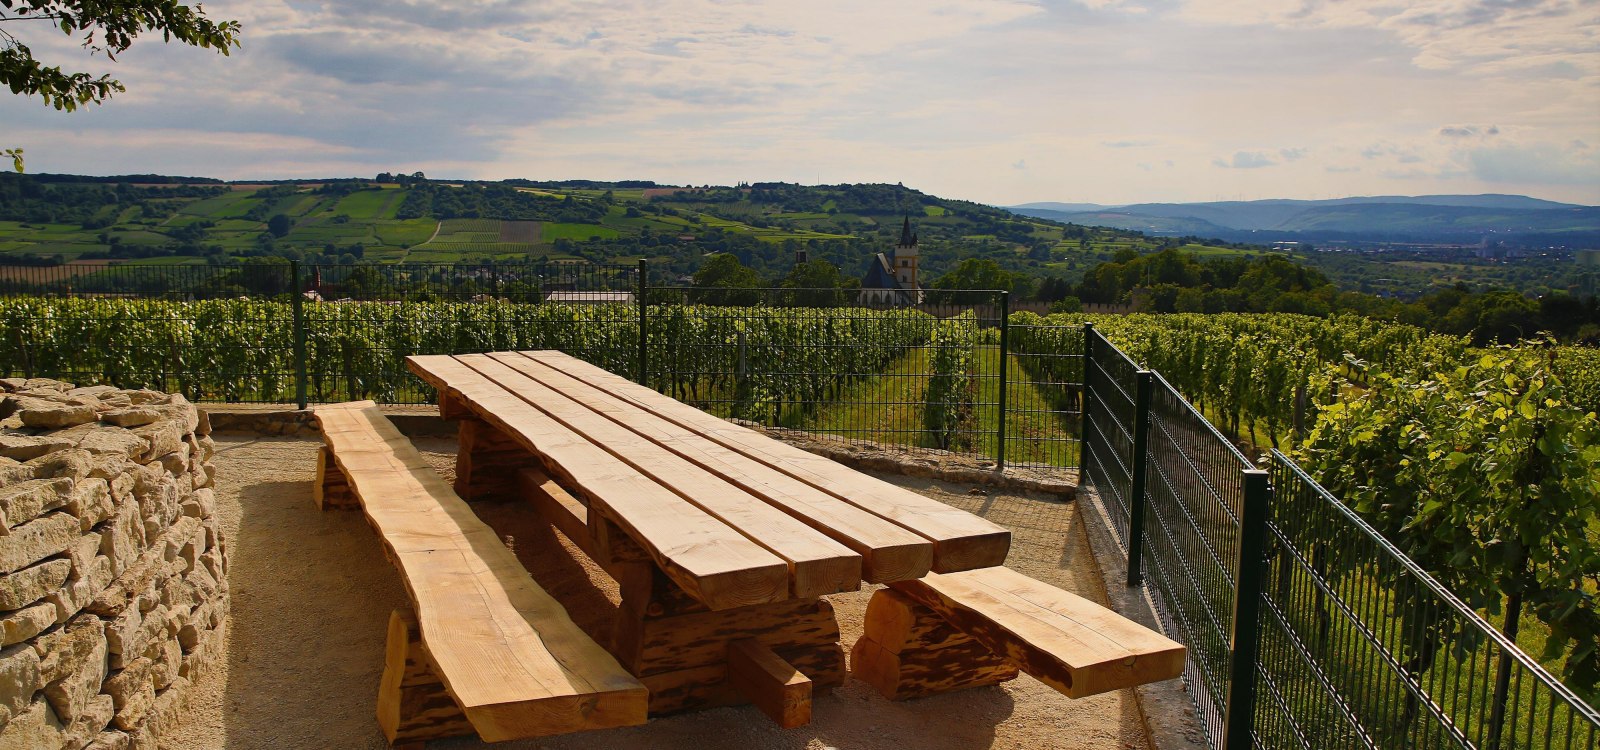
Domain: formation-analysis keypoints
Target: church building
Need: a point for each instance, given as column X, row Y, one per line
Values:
column 892, row 277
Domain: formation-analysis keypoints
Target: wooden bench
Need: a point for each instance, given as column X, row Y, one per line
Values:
column 486, row 648
column 980, row 627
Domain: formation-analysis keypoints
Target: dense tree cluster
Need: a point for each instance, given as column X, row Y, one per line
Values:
column 27, row 199
column 478, row 201
column 1172, row 281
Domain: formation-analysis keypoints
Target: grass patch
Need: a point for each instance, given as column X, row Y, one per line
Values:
column 553, row 231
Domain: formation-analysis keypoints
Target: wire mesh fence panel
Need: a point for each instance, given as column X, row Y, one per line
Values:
column 1045, row 406
column 209, row 332
column 363, row 321
column 1194, row 480
column 831, row 362
column 1363, row 649
column 1109, row 382
column 141, row 281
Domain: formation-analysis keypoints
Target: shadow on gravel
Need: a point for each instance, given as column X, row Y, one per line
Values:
column 311, row 594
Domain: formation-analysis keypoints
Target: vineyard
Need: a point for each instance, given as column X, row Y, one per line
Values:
column 758, row 363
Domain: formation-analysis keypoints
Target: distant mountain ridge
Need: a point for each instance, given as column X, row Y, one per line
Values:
column 1384, row 217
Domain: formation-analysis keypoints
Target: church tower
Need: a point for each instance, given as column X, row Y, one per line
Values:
column 905, row 258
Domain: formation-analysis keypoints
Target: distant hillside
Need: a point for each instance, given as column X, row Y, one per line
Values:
column 64, row 218
column 1454, row 218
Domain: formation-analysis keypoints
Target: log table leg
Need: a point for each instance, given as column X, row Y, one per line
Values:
column 907, row 651
column 783, row 654
column 331, row 490
column 413, row 706
column 487, row 463
column 778, row 656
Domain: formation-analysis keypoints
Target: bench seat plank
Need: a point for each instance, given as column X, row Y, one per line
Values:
column 889, row 552
column 961, row 540
column 1069, row 643
column 505, row 650
column 709, row 559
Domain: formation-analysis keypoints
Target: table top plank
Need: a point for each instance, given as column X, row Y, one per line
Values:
column 712, row 561
column 504, row 648
column 818, row 565
column 961, row 540
column 889, row 552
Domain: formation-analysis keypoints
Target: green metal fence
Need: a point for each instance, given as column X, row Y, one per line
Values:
column 1305, row 628
column 923, row 370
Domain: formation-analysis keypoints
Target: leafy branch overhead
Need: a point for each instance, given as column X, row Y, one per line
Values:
column 106, row 26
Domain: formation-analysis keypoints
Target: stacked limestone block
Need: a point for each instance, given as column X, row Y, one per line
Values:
column 112, row 565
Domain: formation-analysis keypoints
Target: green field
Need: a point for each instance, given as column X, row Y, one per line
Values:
column 557, row 231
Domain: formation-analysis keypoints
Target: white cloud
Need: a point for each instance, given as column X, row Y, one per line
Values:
column 1245, row 160
column 942, row 95
column 1492, row 35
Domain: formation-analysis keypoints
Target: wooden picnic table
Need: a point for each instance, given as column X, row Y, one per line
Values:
column 722, row 539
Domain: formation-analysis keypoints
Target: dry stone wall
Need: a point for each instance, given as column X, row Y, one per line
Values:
column 113, row 587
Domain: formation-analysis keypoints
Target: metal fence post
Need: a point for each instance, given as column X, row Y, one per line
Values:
column 1000, row 427
column 298, row 303
column 1083, row 400
column 1238, row 726
column 644, row 331
column 1145, row 382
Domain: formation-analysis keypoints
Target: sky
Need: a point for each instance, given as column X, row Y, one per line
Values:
column 996, row 101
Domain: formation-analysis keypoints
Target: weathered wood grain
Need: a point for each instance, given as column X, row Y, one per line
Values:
column 669, row 643
column 1069, row 643
column 908, row 651
column 503, row 648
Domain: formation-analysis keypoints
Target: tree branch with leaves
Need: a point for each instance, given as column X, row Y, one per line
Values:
column 107, row 27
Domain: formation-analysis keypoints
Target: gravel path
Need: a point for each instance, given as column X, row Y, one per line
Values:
column 312, row 594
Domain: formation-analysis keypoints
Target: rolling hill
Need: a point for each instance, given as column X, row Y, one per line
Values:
column 1436, row 218
column 58, row 218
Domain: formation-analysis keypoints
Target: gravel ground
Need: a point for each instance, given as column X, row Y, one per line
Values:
column 312, row 594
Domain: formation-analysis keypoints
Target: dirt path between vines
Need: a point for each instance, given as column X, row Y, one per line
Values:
column 312, row 594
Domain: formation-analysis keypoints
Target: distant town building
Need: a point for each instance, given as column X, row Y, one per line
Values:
column 892, row 277
column 591, row 298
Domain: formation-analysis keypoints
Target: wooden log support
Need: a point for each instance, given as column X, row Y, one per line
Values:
column 908, row 651
column 1069, row 643
column 332, row 490
column 568, row 514
column 772, row 684
column 653, row 645
column 413, row 705
column 452, row 407
column 709, row 687
column 487, row 463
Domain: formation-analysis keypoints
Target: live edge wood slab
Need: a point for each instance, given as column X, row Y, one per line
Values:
column 504, row 652
column 978, row 627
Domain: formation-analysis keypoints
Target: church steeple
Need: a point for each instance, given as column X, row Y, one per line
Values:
column 907, row 238
column 904, row 257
